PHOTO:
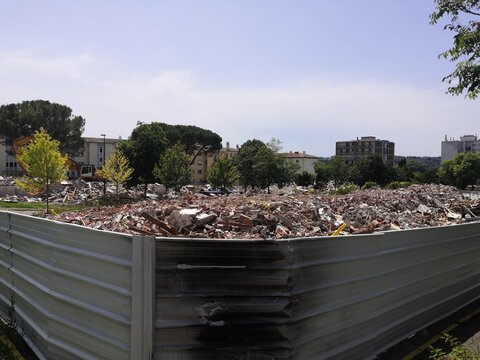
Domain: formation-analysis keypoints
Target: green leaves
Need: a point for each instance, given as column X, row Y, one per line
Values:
column 223, row 173
column 117, row 169
column 174, row 170
column 461, row 171
column 466, row 44
column 43, row 164
column 25, row 118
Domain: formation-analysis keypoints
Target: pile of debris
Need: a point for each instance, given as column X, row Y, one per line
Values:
column 284, row 215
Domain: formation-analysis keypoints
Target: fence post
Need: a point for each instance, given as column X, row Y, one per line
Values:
column 143, row 294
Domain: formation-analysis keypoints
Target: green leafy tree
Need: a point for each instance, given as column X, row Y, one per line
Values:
column 322, row 174
column 117, row 169
column 265, row 167
column 411, row 171
column 373, row 169
column 43, row 164
column 223, row 173
column 464, row 22
column 193, row 138
column 462, row 170
column 286, row 171
column 25, row 118
column 339, row 170
column 245, row 161
column 174, row 170
column 305, row 179
column 143, row 150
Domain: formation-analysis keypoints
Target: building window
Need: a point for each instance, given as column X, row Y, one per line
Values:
column 199, row 171
column 200, row 163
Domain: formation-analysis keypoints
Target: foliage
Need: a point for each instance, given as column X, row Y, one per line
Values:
column 223, row 173
column 245, row 161
column 173, row 169
column 117, row 169
column 464, row 23
column 322, row 174
column 25, row 118
column 369, row 185
column 397, row 185
column 458, row 350
column 274, row 144
column 461, row 171
column 143, row 150
column 411, row 171
column 305, row 179
column 191, row 137
column 345, row 189
column 335, row 170
column 43, row 164
column 373, row 169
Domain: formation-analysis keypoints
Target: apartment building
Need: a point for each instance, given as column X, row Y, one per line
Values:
column 205, row 159
column 306, row 161
column 95, row 152
column 354, row 151
column 467, row 143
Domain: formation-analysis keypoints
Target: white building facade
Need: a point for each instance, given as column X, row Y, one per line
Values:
column 452, row 147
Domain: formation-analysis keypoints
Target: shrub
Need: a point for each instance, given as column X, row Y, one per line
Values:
column 398, row 184
column 369, row 185
column 345, row 189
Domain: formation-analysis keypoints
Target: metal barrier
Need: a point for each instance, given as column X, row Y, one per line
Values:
column 345, row 297
column 77, row 292
column 83, row 293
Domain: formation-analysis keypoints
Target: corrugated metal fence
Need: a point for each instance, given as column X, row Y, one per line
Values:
column 325, row 298
column 82, row 293
column 74, row 288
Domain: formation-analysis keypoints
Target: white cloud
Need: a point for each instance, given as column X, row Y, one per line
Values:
column 308, row 115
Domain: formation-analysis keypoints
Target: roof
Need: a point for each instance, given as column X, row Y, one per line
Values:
column 299, row 155
column 100, row 140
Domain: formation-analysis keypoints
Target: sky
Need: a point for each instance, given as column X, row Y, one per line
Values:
column 308, row 72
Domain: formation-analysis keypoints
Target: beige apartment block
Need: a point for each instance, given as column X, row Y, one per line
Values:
column 306, row 161
column 354, row 151
column 94, row 153
column 205, row 159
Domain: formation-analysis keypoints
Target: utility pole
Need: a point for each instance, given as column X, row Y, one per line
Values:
column 103, row 163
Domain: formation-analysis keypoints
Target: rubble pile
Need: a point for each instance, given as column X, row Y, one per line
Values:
column 287, row 215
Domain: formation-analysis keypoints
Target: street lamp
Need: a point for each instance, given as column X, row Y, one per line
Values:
column 103, row 164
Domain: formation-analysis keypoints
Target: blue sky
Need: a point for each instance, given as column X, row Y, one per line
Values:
column 307, row 72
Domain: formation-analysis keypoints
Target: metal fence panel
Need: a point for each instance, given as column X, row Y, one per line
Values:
column 318, row 298
column 72, row 287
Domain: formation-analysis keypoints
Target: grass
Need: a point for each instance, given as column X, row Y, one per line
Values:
column 456, row 351
column 39, row 206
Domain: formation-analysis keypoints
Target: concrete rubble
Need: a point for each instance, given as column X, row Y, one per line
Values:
column 285, row 214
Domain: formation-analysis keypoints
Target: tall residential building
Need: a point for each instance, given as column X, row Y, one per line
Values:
column 356, row 150
column 467, row 143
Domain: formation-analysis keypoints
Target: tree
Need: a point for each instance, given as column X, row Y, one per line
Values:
column 335, row 170
column 305, row 179
column 466, row 44
column 117, row 169
column 265, row 167
column 25, row 118
column 192, row 137
column 223, row 173
column 373, row 169
column 143, row 149
column 245, row 160
column 322, row 174
column 173, row 169
column 461, row 171
column 43, row 164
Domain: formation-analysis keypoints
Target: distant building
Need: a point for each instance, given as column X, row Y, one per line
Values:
column 92, row 154
column 356, row 150
column 205, row 159
column 306, row 161
column 467, row 143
